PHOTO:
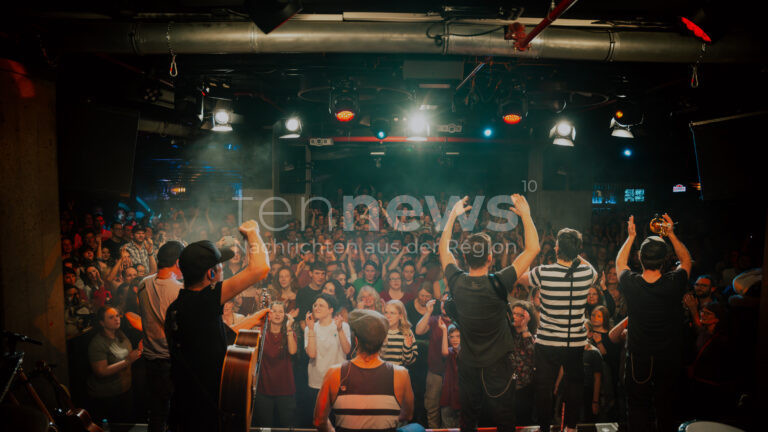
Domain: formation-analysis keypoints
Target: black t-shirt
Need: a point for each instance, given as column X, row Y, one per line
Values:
column 197, row 343
column 305, row 298
column 485, row 333
column 114, row 246
column 655, row 312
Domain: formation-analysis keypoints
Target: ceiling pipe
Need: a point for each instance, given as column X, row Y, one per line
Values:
column 164, row 128
column 522, row 45
column 242, row 37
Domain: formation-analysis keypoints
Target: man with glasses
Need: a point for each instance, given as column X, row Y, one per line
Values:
column 703, row 293
column 116, row 241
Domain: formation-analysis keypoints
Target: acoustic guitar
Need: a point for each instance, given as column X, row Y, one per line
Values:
column 72, row 419
column 239, row 376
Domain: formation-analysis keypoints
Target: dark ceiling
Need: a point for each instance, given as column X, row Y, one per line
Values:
column 265, row 88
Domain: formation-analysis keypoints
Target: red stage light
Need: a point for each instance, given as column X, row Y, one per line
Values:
column 619, row 114
column 512, row 119
column 345, row 115
column 697, row 31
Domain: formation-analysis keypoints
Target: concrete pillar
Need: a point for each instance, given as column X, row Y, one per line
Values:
column 31, row 298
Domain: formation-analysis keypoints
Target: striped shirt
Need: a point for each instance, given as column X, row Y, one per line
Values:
column 366, row 400
column 562, row 303
column 395, row 351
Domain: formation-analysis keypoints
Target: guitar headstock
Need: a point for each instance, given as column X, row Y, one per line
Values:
column 266, row 299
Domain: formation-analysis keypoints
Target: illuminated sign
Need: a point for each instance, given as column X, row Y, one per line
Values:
column 678, row 188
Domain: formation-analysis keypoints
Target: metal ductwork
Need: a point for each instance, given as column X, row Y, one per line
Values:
column 164, row 128
column 297, row 36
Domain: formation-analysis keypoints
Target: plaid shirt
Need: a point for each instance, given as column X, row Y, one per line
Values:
column 138, row 254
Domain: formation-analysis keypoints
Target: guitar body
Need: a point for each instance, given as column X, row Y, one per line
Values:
column 77, row 420
column 73, row 419
column 237, row 381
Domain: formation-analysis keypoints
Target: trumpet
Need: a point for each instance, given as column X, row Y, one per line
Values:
column 659, row 226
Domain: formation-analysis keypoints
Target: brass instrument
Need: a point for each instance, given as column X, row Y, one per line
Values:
column 659, row 226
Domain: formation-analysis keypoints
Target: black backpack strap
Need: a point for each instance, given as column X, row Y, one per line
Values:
column 498, row 287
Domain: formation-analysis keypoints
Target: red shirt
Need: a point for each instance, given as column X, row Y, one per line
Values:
column 101, row 296
column 450, row 394
column 276, row 377
column 435, row 360
column 407, row 297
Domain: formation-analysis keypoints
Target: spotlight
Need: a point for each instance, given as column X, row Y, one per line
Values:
column 292, row 124
column 487, row 132
column 563, row 133
column 627, row 152
column 343, row 103
column 270, row 14
column 418, row 125
column 512, row 119
column 291, row 128
column 513, row 109
column 221, row 117
column 704, row 23
column 344, row 115
column 221, row 121
column 619, row 130
column 380, row 128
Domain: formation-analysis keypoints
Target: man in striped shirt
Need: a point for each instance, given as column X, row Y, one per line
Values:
column 561, row 336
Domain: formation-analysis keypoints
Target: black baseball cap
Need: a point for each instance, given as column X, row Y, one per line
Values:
column 169, row 253
column 199, row 257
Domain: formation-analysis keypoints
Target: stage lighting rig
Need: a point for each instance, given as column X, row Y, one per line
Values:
column 344, row 100
column 513, row 109
column 625, row 116
column 221, row 121
column 291, row 128
column 564, row 134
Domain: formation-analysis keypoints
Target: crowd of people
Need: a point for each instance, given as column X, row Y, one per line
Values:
column 571, row 306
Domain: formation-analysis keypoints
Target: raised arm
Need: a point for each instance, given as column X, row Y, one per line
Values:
column 680, row 250
column 444, row 351
column 532, row 248
column 252, row 321
column 258, row 264
column 446, row 257
column 615, row 334
column 422, row 327
column 622, row 259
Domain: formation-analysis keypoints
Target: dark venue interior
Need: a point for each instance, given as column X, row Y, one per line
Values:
column 247, row 214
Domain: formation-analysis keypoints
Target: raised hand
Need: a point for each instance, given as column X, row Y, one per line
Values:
column 249, row 226
column 670, row 226
column 310, row 320
column 339, row 322
column 442, row 325
column 430, row 306
column 409, row 339
column 520, row 205
column 691, row 302
column 631, row 232
column 289, row 320
column 461, row 207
